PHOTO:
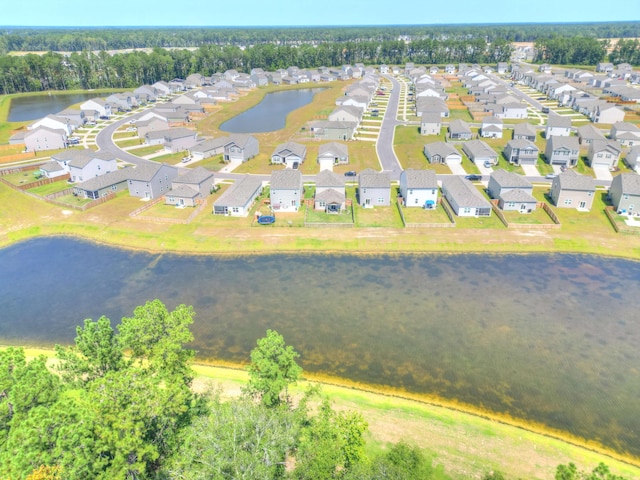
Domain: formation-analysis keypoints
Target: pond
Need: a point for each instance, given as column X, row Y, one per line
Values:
column 552, row 339
column 271, row 113
column 26, row 108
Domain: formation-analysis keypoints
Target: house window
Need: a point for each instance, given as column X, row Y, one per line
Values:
column 235, row 210
column 380, row 200
column 511, row 205
column 567, row 201
column 590, row 193
column 625, row 196
column 416, row 202
column 322, row 204
column 466, row 210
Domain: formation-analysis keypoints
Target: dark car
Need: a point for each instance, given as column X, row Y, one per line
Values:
column 473, row 178
column 350, row 173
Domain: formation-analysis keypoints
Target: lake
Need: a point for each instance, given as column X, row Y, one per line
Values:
column 271, row 113
column 34, row 107
column 553, row 339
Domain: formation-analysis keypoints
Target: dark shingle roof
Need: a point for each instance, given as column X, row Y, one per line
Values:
column 420, row 178
column 371, row 179
column 571, row 180
column 240, row 192
column 287, row 179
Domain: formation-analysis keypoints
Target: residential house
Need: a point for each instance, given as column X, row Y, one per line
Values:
column 419, row 188
column 513, row 191
column 45, row 138
column 152, row 124
column 147, row 93
column 240, row 148
column 85, row 164
column 557, row 126
column 510, row 110
column 96, row 108
column 333, row 153
column 491, row 127
column 52, row 169
column 358, row 101
column 103, row 185
column 604, row 153
column 122, row 102
column 237, row 200
column 465, row 199
column 573, row 190
column 346, row 113
column 179, row 139
column 208, row 148
column 441, row 152
column 188, row 189
column 151, row 180
column 332, row 130
column 626, row 133
column 75, row 118
column 286, row 190
column 607, row 113
column 431, row 105
column 374, row 188
column 588, row 133
column 430, row 124
column 625, row 193
column 459, row 130
column 521, row 152
column 502, row 67
column 479, row 152
column 562, row 151
column 632, row 158
column 290, row 154
column 330, row 193
column 524, row 131
column 162, row 88
column 53, row 122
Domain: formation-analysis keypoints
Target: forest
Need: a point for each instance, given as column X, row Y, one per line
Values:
column 120, row 404
column 87, row 64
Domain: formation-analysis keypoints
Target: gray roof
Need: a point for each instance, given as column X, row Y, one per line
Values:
column 465, row 193
column 517, row 195
column 478, row 148
column 601, row 144
column 371, row 179
column 630, row 183
column 492, row 120
column 590, row 132
column 287, row 179
column 420, row 178
column 333, row 148
column 183, row 191
column 51, row 166
column 440, row 148
column 195, row 176
column 326, row 178
column 106, row 180
column 571, row 180
column 459, row 126
column 431, row 117
column 81, row 158
column 211, row 144
column 522, row 143
column 145, row 172
column 330, row 196
column 239, row 139
column 240, row 192
column 626, row 126
column 291, row 148
column 510, row 179
column 570, row 143
column 556, row 120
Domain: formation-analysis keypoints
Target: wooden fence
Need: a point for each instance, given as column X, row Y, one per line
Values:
column 527, row 226
column 610, row 212
column 426, row 225
column 201, row 204
column 26, row 168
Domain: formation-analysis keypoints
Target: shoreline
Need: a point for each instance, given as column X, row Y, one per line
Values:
column 230, row 372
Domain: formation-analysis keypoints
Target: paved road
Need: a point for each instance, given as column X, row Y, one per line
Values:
column 530, row 100
column 384, row 146
column 105, row 142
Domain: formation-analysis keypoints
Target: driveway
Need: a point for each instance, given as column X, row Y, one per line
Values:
column 484, row 170
column 530, row 171
column 602, row 172
column 456, row 168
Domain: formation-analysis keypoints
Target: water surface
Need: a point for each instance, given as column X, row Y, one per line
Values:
column 548, row 338
column 26, row 108
column 271, row 113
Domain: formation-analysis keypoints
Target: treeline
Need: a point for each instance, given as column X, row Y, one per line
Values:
column 119, row 404
column 579, row 50
column 626, row 51
column 79, row 39
column 85, row 69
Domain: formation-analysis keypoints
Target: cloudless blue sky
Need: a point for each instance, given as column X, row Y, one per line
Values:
column 308, row 12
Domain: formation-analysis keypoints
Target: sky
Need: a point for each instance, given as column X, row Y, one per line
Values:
column 308, row 12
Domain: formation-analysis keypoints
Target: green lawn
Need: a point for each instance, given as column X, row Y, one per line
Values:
column 168, row 211
column 73, row 200
column 49, row 188
column 20, row 178
column 376, row 216
column 314, row 216
column 537, row 217
column 128, row 142
column 147, row 150
column 212, row 163
column 422, row 215
column 170, row 158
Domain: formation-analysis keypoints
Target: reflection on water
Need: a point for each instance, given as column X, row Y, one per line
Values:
column 34, row 107
column 550, row 338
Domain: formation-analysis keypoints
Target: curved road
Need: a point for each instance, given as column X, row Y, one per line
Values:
column 384, row 145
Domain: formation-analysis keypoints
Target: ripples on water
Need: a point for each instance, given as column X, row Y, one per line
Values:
column 549, row 338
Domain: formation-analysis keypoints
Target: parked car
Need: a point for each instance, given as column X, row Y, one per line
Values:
column 551, row 176
column 185, row 159
column 350, row 173
column 473, row 178
column 487, row 164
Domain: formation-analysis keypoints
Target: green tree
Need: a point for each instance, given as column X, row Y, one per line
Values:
column 272, row 369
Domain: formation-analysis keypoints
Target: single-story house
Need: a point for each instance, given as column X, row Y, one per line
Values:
column 557, row 126
column 625, row 193
column 188, row 188
column 286, row 190
column 626, row 133
column 374, row 188
column 479, row 152
column 52, row 169
column 237, row 200
column 208, row 148
column 465, row 199
column 573, row 190
column 524, row 131
column 98, row 187
column 149, row 181
column 512, row 191
column 491, row 127
column 330, row 192
column 521, row 152
column 562, row 151
column 459, row 130
column 441, row 152
column 419, row 188
column 332, row 153
column 241, row 148
column 430, row 124
column 290, row 154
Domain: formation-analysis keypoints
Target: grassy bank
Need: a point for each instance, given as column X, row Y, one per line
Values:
column 466, row 445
